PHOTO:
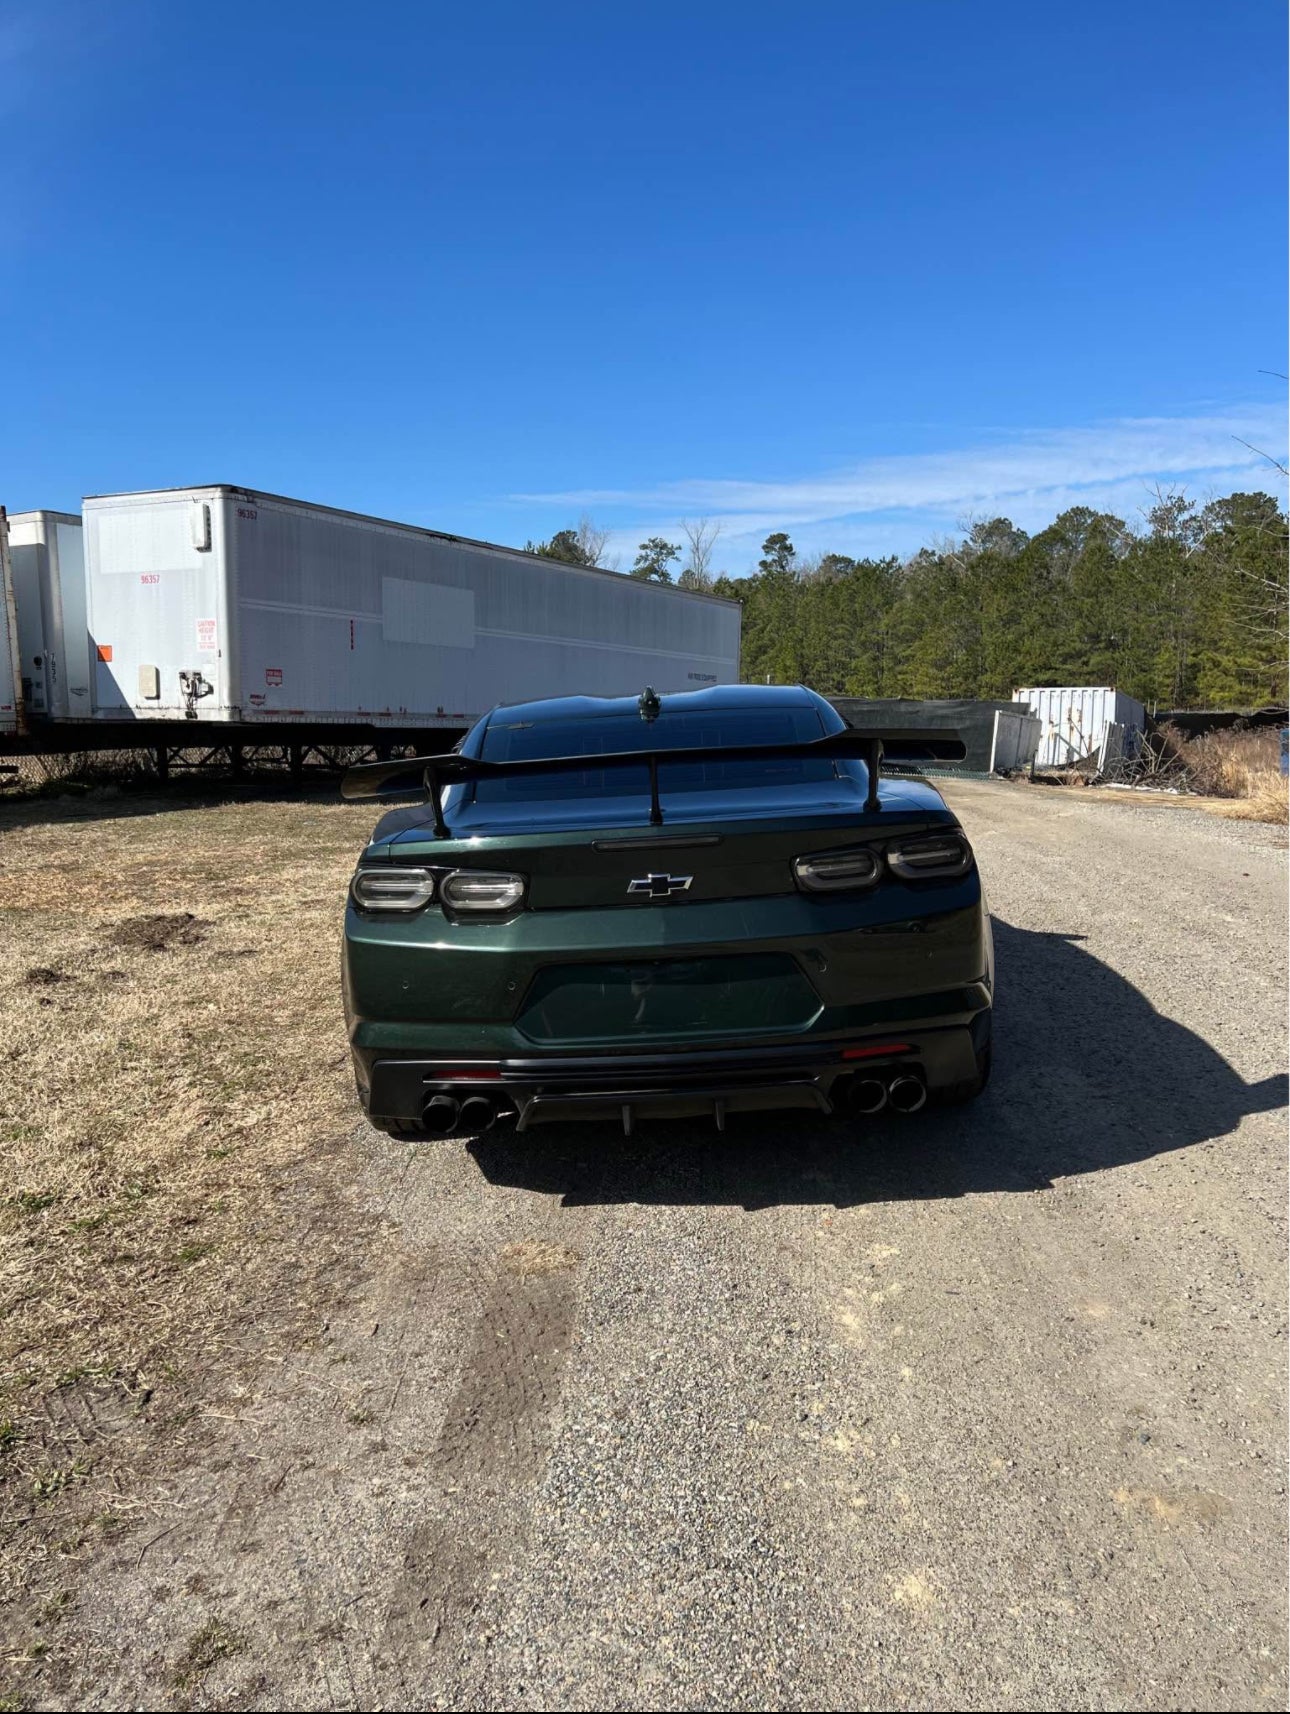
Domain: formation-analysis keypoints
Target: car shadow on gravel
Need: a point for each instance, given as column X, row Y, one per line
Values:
column 1087, row 1075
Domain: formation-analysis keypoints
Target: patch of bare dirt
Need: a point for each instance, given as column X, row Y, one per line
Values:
column 160, row 933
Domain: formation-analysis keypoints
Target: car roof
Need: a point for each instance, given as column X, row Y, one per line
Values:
column 713, row 698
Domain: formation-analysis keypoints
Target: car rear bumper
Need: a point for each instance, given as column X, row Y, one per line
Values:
column 720, row 1007
column 819, row 1076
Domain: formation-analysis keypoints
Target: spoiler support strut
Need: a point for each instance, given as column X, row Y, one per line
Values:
column 436, row 799
column 872, row 759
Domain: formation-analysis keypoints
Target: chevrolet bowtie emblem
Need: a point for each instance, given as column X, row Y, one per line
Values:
column 659, row 886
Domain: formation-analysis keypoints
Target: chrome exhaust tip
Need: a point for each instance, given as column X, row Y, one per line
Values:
column 907, row 1094
column 439, row 1115
column 477, row 1114
column 866, row 1095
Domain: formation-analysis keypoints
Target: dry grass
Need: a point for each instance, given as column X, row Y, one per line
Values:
column 176, row 1065
column 215, row 1641
column 1226, row 808
column 1267, row 801
column 533, row 1256
column 1241, row 769
column 82, row 770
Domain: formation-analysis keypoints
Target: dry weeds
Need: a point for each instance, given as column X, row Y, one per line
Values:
column 1267, row 800
column 215, row 1641
column 533, row 1256
column 176, row 1065
column 1239, row 771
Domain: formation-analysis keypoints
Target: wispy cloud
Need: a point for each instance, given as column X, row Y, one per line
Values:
column 892, row 504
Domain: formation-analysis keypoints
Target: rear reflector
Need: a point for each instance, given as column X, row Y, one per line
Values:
column 875, row 1052
column 461, row 1074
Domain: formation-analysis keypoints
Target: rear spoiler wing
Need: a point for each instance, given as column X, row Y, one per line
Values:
column 432, row 773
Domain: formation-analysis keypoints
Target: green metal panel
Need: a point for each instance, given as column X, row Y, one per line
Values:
column 428, row 973
column 571, row 1005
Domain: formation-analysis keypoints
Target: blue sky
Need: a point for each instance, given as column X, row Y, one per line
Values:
column 862, row 271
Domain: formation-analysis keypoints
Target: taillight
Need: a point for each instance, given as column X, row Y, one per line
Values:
column 934, row 858
column 381, row 889
column 476, row 890
column 836, row 871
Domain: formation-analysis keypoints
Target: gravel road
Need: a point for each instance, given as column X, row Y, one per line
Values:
column 977, row 1410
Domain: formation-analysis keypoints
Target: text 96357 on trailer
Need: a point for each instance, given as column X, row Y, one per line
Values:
column 661, row 906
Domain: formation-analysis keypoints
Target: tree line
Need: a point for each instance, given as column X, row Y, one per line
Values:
column 1188, row 610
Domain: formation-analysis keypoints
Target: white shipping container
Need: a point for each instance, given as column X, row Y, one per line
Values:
column 45, row 549
column 234, row 605
column 1015, row 742
column 1075, row 719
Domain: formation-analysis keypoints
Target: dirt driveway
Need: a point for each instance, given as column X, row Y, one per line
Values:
column 977, row 1410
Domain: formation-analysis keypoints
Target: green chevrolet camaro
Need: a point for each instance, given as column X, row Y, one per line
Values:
column 645, row 907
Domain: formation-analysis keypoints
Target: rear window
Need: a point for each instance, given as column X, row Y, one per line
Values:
column 533, row 740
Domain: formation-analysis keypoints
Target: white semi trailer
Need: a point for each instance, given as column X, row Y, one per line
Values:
column 11, row 709
column 224, row 604
column 53, row 632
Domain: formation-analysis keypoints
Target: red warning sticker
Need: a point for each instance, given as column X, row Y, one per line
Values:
column 273, row 675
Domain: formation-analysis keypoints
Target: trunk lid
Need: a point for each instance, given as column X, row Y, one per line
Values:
column 695, row 856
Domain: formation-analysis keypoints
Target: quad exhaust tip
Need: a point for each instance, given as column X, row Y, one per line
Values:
column 907, row 1094
column 904, row 1093
column 443, row 1115
column 477, row 1114
column 440, row 1115
column 867, row 1095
